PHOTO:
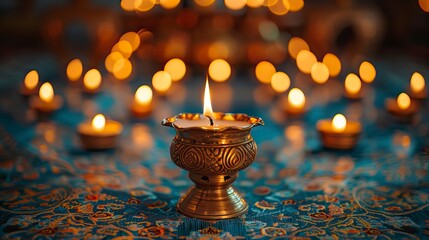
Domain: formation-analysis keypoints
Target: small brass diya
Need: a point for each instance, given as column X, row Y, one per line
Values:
column 213, row 152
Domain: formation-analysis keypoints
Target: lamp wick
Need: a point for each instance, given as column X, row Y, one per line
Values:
column 211, row 120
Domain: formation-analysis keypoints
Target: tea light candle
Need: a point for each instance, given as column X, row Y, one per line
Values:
column 417, row 86
column 142, row 104
column 46, row 102
column 339, row 133
column 403, row 107
column 99, row 133
column 31, row 80
column 295, row 104
column 92, row 81
column 353, row 87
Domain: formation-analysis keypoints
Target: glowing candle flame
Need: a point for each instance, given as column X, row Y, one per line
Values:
column 46, row 92
column 417, row 82
column 339, row 123
column 352, row 84
column 208, row 111
column 144, row 95
column 99, row 122
column 92, row 79
column 403, row 101
column 31, row 80
column 296, row 98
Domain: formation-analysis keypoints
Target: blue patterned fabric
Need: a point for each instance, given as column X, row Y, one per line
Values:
column 51, row 188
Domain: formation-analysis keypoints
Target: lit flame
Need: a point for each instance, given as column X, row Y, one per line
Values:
column 143, row 95
column 31, row 80
column 339, row 123
column 208, row 111
column 403, row 101
column 92, row 79
column 417, row 82
column 98, row 122
column 46, row 92
column 352, row 84
column 296, row 98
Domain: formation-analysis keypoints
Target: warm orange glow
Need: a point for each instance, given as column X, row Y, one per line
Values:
column 319, row 72
column 124, row 47
column 98, row 122
column 296, row 98
column 280, row 82
column 218, row 50
column 208, row 111
column 424, row 4
column 264, row 71
column 74, row 69
column 255, row 3
column 305, row 60
column 144, row 5
column 161, row 81
column 204, row 3
column 339, row 123
column 122, row 69
column 235, row 4
column 169, row 4
column 127, row 5
column 367, row 72
column 132, row 38
column 352, row 84
column 417, row 83
column 176, row 68
column 31, row 80
column 219, row 70
column 403, row 101
column 333, row 63
column 92, row 79
column 111, row 60
column 144, row 95
column 295, row 45
column 46, row 92
column 296, row 5
column 279, row 7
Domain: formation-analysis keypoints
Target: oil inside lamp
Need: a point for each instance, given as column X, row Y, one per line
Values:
column 74, row 70
column 353, row 86
column 402, row 107
column 46, row 102
column 295, row 104
column 417, row 85
column 92, row 81
column 142, row 104
column 31, row 81
column 99, row 133
column 338, row 133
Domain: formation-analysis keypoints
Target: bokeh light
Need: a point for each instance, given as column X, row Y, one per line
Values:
column 124, row 47
column 204, row 3
column 161, row 81
column 255, row 3
column 339, row 123
column 280, row 82
column 127, row 5
column 279, row 7
column 319, row 72
column 352, row 84
column 46, row 92
column 219, row 70
column 176, row 68
column 98, row 122
column 333, row 63
column 31, row 80
column 305, row 61
column 417, row 82
column 367, row 72
column 74, row 69
column 264, row 71
column 122, row 69
column 235, row 4
column 132, row 38
column 424, row 5
column 296, row 5
column 404, row 101
column 111, row 60
column 295, row 45
column 296, row 98
column 92, row 79
column 169, row 4
column 143, row 95
column 144, row 5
